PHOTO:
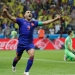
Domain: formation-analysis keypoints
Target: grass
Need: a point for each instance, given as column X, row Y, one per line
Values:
column 45, row 63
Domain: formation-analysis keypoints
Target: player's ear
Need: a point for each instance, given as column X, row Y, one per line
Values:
column 24, row 15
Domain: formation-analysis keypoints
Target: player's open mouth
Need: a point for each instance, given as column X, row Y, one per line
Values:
column 30, row 16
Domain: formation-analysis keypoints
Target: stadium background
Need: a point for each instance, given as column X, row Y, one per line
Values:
column 46, row 62
column 42, row 10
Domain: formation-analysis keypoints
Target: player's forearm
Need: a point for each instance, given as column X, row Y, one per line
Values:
column 6, row 13
column 49, row 21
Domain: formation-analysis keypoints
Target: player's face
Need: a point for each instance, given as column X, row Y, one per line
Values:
column 28, row 15
column 71, row 34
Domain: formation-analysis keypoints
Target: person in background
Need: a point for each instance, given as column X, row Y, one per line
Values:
column 41, row 33
column 7, row 32
column 4, row 25
column 14, row 34
column 12, row 25
column 51, row 30
column 73, row 35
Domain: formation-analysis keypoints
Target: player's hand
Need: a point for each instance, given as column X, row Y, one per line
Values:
column 4, row 9
column 58, row 16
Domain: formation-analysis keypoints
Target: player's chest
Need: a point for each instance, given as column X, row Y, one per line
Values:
column 70, row 42
column 28, row 26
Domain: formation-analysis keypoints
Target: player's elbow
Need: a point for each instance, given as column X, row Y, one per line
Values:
column 13, row 19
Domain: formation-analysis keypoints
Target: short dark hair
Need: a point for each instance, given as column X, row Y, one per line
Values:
column 69, row 32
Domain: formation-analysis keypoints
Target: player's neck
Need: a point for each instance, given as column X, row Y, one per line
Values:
column 70, row 36
column 27, row 20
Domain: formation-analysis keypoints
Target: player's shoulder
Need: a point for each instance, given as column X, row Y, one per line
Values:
column 20, row 19
column 34, row 20
column 68, row 38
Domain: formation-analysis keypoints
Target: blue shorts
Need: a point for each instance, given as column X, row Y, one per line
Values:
column 20, row 49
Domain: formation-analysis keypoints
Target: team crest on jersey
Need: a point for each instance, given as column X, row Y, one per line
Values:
column 32, row 24
column 28, row 27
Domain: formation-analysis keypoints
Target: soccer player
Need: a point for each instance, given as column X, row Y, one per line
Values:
column 25, row 40
column 68, row 47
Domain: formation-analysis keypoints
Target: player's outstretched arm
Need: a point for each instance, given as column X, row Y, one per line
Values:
column 50, row 21
column 7, row 15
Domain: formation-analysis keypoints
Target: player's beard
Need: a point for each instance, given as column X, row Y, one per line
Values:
column 29, row 18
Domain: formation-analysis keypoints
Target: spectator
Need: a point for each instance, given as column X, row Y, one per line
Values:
column 73, row 14
column 35, row 31
column 41, row 33
column 14, row 34
column 35, row 14
column 11, row 25
column 7, row 32
column 57, row 26
column 51, row 30
column 1, row 31
column 4, row 25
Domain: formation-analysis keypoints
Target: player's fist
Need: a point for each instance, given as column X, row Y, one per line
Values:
column 58, row 16
column 4, row 9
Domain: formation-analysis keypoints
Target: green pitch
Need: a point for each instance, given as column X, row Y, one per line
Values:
column 46, row 63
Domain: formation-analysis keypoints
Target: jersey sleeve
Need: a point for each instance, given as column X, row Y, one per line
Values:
column 19, row 21
column 38, row 23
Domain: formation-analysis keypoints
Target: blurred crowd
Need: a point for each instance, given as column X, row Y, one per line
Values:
column 42, row 10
